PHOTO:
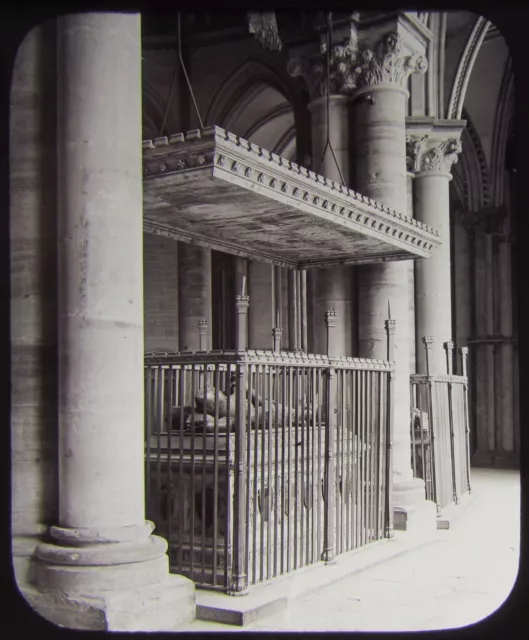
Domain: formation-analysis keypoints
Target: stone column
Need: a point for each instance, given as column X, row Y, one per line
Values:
column 335, row 287
column 33, row 253
column 431, row 152
column 261, row 320
column 103, row 569
column 194, row 294
column 380, row 100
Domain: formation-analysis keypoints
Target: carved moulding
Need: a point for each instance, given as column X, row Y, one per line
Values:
column 352, row 68
column 219, row 190
column 432, row 145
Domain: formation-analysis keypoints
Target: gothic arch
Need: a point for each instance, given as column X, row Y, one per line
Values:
column 153, row 110
column 464, row 69
column 471, row 173
column 502, row 129
column 245, row 84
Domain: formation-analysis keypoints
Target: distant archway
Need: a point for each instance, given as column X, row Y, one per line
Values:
column 257, row 103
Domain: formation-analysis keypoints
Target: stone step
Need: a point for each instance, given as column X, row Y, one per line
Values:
column 273, row 596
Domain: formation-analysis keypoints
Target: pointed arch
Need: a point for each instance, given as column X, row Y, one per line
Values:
column 153, row 110
column 502, row 129
column 464, row 69
column 245, row 83
column 471, row 173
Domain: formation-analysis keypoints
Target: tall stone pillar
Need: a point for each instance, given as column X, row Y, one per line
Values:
column 380, row 100
column 335, row 287
column 103, row 568
column 194, row 294
column 261, row 314
column 33, row 253
column 432, row 149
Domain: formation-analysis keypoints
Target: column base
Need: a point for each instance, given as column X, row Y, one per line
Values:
column 411, row 511
column 111, row 586
column 23, row 549
column 165, row 606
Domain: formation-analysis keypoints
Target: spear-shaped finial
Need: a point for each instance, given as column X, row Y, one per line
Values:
column 389, row 311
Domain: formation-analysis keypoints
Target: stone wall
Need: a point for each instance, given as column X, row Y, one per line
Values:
column 160, row 293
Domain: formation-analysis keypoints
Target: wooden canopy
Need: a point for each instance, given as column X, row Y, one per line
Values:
column 214, row 189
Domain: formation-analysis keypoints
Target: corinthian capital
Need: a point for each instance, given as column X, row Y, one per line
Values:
column 387, row 63
column 341, row 79
column 424, row 154
column 351, row 68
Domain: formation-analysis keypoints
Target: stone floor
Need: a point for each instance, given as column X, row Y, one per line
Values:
column 459, row 579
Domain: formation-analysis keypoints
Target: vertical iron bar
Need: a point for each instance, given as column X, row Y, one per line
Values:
column 362, row 456
column 192, row 483
column 262, row 453
column 204, row 463
column 239, row 579
column 183, row 520
column 216, row 385
column 320, row 504
column 284, row 452
column 250, row 504
column 314, row 495
column 270, row 479
column 378, row 445
column 170, row 496
column 148, row 409
column 428, row 341
column 330, row 484
column 464, row 355
column 289, row 473
column 277, row 483
column 356, row 458
column 255, row 471
column 390, row 331
column 295, row 406
column 449, row 348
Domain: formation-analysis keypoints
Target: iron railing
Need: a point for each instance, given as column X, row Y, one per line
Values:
column 440, row 431
column 260, row 462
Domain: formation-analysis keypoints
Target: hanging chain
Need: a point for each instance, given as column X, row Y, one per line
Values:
column 183, row 67
column 328, row 88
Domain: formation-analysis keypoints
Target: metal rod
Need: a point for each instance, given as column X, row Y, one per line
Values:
column 464, row 355
column 449, row 347
column 239, row 579
column 216, row 385
column 185, row 73
column 330, row 484
column 428, row 341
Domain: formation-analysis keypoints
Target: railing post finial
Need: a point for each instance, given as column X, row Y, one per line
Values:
column 330, row 322
column 277, row 332
column 464, row 354
column 391, row 327
column 428, row 342
column 449, row 348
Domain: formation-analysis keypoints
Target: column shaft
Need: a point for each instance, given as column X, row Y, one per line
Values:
column 194, row 294
column 100, row 271
column 381, row 175
column 261, row 320
column 333, row 287
column 433, row 294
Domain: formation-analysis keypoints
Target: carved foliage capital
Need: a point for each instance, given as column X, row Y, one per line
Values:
column 423, row 154
column 387, row 63
column 351, row 68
